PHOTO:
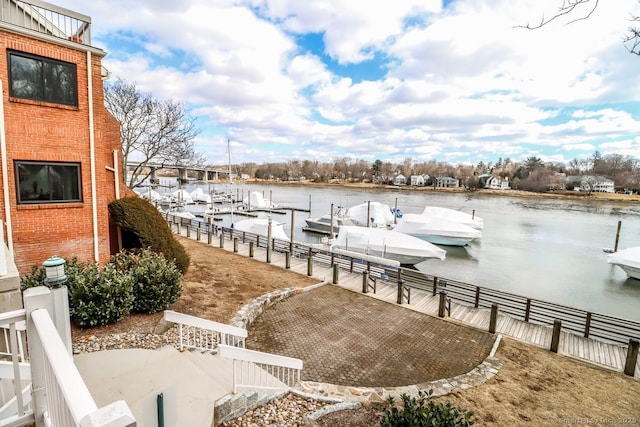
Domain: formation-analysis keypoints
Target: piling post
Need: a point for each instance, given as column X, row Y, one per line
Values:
column 221, row 240
column 555, row 338
column 400, row 291
column 336, row 269
column 615, row 248
column 251, row 249
column 198, row 234
column 632, row 357
column 442, row 304
column 287, row 260
column 189, row 231
column 309, row 266
column 209, row 231
column 269, row 241
column 493, row 320
column 365, row 282
column 235, row 244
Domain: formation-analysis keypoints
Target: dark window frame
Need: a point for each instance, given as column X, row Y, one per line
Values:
column 23, row 184
column 46, row 91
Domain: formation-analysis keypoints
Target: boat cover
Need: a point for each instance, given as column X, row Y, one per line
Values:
column 380, row 214
column 628, row 257
column 260, row 226
column 469, row 220
column 424, row 225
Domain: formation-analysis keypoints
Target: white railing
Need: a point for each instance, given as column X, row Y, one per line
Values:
column 59, row 395
column 257, row 370
column 17, row 409
column 205, row 335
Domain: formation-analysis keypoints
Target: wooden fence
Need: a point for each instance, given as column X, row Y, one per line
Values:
column 588, row 324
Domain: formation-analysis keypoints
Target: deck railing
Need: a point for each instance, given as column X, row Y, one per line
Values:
column 582, row 322
column 257, row 370
column 57, row 395
column 204, row 335
column 46, row 18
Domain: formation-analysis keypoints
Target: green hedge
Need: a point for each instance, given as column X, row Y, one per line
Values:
column 143, row 226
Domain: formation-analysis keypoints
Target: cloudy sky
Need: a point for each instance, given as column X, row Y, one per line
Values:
column 453, row 81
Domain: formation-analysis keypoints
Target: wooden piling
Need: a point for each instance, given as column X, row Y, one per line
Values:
column 493, row 320
column 632, row 357
column 555, row 338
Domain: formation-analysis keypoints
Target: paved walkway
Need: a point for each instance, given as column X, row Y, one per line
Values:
column 610, row 356
column 347, row 338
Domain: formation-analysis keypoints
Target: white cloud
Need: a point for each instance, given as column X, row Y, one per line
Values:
column 462, row 84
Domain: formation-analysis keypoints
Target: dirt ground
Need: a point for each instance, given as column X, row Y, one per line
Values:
column 534, row 387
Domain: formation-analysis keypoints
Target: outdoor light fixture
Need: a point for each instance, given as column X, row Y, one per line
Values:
column 54, row 270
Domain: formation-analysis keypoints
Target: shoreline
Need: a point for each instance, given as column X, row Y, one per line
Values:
column 566, row 195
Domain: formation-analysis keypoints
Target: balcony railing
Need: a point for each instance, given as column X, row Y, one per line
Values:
column 46, row 18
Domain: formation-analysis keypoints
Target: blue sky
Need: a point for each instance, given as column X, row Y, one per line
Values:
column 451, row 81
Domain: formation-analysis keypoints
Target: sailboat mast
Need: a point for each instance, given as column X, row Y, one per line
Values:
column 230, row 180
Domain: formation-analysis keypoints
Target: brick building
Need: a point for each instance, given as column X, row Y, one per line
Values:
column 59, row 145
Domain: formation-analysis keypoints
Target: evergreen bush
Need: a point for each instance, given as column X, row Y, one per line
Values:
column 98, row 297
column 156, row 281
column 143, row 226
column 414, row 413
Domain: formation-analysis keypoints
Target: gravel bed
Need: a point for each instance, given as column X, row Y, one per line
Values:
column 91, row 343
column 287, row 411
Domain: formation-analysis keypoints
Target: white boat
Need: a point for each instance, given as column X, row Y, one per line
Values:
column 199, row 196
column 255, row 200
column 383, row 243
column 322, row 224
column 182, row 196
column 260, row 226
column 469, row 220
column 628, row 260
column 436, row 229
column 181, row 212
column 371, row 214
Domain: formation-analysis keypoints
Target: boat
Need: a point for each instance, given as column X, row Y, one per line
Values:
column 323, row 224
column 469, row 220
column 255, row 200
column 180, row 211
column 371, row 214
column 437, row 230
column 181, row 196
column 389, row 244
column 628, row 260
column 260, row 226
column 199, row 196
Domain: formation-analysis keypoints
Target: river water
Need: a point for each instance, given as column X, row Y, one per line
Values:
column 542, row 248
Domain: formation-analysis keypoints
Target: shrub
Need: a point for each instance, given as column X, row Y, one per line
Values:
column 143, row 226
column 156, row 281
column 98, row 297
column 414, row 413
column 73, row 268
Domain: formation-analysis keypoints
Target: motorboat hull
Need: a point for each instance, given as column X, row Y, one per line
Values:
column 440, row 231
column 628, row 260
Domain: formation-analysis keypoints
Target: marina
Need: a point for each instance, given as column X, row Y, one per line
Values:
column 543, row 248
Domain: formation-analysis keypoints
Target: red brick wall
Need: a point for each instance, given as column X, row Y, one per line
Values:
column 42, row 132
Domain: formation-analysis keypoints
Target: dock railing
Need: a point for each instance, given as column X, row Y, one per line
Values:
column 585, row 323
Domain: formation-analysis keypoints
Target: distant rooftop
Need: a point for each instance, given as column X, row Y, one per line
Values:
column 46, row 18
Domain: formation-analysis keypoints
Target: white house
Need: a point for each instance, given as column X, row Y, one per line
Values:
column 419, row 180
column 497, row 183
column 400, row 180
column 447, row 182
column 598, row 184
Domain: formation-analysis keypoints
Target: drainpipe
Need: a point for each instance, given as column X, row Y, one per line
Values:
column 5, row 174
column 92, row 148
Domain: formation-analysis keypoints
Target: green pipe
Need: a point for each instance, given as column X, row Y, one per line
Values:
column 160, row 402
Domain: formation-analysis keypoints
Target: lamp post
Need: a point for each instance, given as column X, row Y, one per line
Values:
column 55, row 278
column 54, row 271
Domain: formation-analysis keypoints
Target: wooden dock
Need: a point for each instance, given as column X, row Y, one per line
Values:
column 599, row 353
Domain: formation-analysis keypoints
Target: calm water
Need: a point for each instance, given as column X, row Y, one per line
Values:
column 547, row 249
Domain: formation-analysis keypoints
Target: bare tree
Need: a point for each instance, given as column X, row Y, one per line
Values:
column 155, row 132
column 580, row 10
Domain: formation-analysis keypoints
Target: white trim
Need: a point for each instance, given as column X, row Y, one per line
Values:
column 5, row 175
column 92, row 148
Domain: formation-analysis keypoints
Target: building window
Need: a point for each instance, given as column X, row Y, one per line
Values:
column 42, row 79
column 39, row 182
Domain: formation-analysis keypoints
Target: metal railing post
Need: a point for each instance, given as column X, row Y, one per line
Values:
column 493, row 320
column 442, row 304
column 251, row 249
column 221, row 240
column 555, row 338
column 287, row 260
column 336, row 269
column 365, row 282
column 632, row 357
column 235, row 244
column 309, row 266
column 400, row 291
